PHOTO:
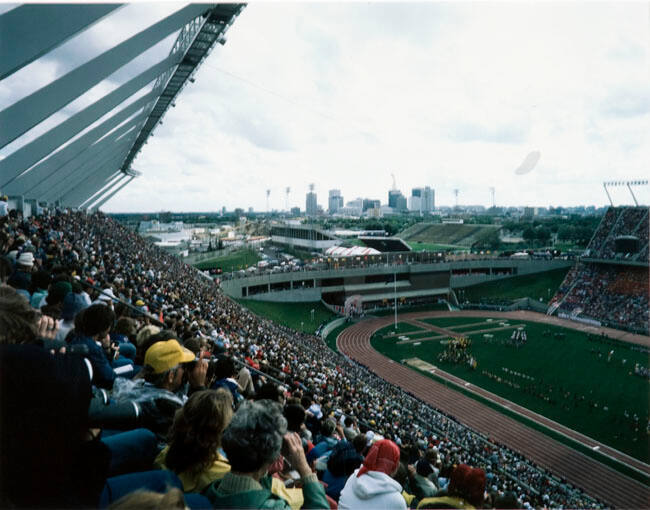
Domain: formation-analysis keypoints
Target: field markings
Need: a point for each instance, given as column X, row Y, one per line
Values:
column 568, row 433
column 466, row 333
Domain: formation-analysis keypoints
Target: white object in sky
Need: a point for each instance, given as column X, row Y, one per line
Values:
column 529, row 163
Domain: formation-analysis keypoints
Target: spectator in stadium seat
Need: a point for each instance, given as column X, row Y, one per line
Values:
column 4, row 206
column 20, row 323
column 72, row 304
column 21, row 279
column 195, row 439
column 350, row 430
column 92, row 327
column 47, row 459
column 224, row 378
column 5, row 269
column 157, row 392
column 466, row 490
column 342, row 462
column 422, row 486
column 149, row 500
column 295, row 415
column 325, row 443
column 124, row 332
column 40, row 283
column 252, row 442
column 371, row 486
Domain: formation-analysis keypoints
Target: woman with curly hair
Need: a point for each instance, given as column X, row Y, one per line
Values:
column 195, row 439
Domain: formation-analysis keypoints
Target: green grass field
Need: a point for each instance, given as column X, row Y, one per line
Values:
column 535, row 286
column 233, row 262
column 294, row 315
column 563, row 371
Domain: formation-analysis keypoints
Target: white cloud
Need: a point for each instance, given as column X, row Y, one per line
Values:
column 441, row 94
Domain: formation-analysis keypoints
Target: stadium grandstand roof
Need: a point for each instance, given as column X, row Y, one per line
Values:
column 87, row 158
column 354, row 251
column 385, row 244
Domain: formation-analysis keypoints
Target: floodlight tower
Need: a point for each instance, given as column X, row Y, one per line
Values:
column 287, row 190
column 268, row 192
column 456, row 191
column 493, row 191
column 628, row 184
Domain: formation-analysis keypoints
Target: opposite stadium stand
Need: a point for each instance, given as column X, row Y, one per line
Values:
column 145, row 285
column 610, row 282
column 385, row 244
column 447, row 233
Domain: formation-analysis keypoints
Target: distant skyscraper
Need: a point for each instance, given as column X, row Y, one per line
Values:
column 335, row 201
column 311, row 205
column 415, row 200
column 429, row 199
column 369, row 203
column 396, row 200
column 422, row 200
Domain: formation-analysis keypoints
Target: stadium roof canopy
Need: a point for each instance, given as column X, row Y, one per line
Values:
column 87, row 158
column 354, row 251
column 385, row 244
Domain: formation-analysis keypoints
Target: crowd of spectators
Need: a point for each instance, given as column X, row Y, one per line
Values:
column 614, row 295
column 620, row 221
column 218, row 397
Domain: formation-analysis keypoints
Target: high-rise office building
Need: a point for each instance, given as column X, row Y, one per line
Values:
column 311, row 205
column 429, row 199
column 422, row 200
column 335, row 202
column 396, row 200
column 369, row 203
column 415, row 200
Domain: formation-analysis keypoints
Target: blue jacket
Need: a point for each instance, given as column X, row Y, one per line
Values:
column 103, row 374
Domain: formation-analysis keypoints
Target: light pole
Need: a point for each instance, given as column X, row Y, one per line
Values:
column 395, row 292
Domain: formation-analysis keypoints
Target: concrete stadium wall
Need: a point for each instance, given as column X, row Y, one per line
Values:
column 294, row 295
column 523, row 267
column 331, row 326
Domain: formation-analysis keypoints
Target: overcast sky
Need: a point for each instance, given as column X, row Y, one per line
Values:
column 343, row 95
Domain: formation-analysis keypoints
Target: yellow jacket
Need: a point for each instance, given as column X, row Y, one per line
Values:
column 197, row 481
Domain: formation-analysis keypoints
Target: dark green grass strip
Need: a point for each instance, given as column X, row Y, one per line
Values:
column 294, row 315
column 232, row 262
column 539, row 285
column 330, row 340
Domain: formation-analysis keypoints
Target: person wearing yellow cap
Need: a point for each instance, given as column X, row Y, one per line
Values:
column 159, row 392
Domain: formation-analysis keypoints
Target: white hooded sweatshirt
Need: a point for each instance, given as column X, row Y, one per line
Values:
column 373, row 490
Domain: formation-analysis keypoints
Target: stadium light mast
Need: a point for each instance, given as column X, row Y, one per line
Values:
column 493, row 191
column 456, row 191
column 628, row 184
column 268, row 192
column 287, row 190
column 607, row 193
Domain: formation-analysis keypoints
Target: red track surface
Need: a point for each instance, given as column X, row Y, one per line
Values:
column 595, row 478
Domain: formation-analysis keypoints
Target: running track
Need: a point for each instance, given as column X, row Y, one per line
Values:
column 595, row 478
